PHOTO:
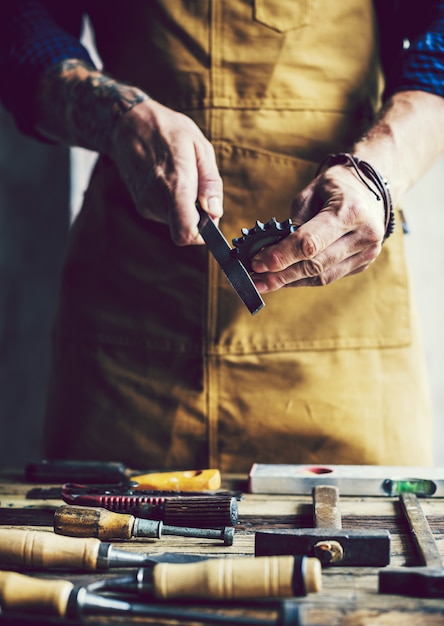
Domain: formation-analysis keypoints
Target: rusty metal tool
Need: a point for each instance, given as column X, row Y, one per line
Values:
column 22, row 596
column 328, row 541
column 85, row 521
column 427, row 580
column 194, row 511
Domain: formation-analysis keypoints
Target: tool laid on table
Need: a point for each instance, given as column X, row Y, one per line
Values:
column 37, row 550
column 97, row 472
column 61, row 598
column 78, row 521
column 426, row 581
column 205, row 511
column 352, row 480
column 222, row 578
column 328, row 541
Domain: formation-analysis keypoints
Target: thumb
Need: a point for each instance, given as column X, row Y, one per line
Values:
column 210, row 186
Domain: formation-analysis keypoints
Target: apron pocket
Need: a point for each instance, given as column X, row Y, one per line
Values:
column 283, row 15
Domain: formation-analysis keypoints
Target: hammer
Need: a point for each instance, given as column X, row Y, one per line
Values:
column 328, row 541
column 426, row 581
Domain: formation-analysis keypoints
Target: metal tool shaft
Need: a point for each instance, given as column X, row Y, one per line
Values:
column 152, row 528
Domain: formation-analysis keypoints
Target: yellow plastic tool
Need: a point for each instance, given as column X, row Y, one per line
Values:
column 190, row 480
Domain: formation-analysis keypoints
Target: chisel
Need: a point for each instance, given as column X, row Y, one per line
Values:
column 41, row 550
column 61, row 598
column 87, row 521
column 213, row 578
column 112, row 472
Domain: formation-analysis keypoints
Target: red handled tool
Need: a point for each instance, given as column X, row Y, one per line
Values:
column 195, row 511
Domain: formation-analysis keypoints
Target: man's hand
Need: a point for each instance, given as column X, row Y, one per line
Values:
column 166, row 163
column 163, row 157
column 342, row 223
column 341, row 232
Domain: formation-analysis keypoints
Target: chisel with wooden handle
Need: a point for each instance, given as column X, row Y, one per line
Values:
column 41, row 550
column 21, row 596
column 86, row 521
column 240, row 577
column 214, row 578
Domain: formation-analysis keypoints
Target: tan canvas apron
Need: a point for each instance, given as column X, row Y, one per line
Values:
column 156, row 361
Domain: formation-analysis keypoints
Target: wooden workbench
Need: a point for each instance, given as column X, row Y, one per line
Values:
column 349, row 596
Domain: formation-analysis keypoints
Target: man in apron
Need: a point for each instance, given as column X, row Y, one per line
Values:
column 156, row 361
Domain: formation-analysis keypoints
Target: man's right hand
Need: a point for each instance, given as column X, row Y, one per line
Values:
column 165, row 160
column 166, row 163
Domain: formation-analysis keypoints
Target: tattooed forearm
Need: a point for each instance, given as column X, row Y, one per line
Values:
column 79, row 105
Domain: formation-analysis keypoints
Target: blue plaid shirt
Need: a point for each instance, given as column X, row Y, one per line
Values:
column 37, row 34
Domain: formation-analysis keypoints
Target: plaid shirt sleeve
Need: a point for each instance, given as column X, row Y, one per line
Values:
column 412, row 45
column 37, row 34
column 32, row 40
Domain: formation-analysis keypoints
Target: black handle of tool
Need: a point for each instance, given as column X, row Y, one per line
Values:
column 200, row 512
column 89, row 472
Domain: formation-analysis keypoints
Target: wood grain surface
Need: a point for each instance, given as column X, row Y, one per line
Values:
column 349, row 596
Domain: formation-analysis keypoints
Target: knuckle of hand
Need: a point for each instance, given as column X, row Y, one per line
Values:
column 312, row 267
column 309, row 246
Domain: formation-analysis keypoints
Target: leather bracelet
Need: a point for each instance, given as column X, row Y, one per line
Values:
column 363, row 168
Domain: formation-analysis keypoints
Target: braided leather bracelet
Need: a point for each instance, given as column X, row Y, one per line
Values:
column 363, row 168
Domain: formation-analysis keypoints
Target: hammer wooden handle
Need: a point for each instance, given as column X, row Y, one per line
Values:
column 33, row 549
column 227, row 579
column 79, row 521
column 25, row 593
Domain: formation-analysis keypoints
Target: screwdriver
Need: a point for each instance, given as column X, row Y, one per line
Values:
column 61, row 598
column 214, row 578
column 86, row 521
column 66, row 470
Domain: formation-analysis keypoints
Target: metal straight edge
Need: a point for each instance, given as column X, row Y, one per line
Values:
column 234, row 270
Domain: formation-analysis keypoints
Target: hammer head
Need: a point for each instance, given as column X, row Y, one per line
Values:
column 418, row 582
column 370, row 548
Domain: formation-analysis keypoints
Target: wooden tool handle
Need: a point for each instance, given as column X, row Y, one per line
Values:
column 87, row 521
column 20, row 592
column 326, row 508
column 227, row 579
column 33, row 549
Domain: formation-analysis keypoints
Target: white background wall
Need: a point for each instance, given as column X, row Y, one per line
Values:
column 424, row 209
